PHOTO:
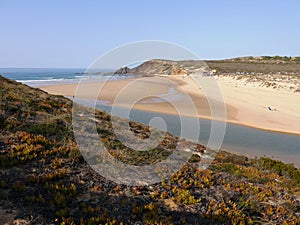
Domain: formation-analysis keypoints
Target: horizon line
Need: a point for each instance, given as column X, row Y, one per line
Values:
column 235, row 57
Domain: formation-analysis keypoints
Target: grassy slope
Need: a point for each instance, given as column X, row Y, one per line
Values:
column 263, row 65
column 45, row 180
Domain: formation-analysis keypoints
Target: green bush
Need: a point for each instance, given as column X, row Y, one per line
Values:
column 49, row 130
column 277, row 166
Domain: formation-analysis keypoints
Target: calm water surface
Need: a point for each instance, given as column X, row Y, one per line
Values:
column 238, row 139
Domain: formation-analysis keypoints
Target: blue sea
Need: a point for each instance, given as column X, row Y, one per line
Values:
column 50, row 76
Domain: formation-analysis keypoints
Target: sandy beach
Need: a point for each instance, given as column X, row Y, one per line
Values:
column 246, row 104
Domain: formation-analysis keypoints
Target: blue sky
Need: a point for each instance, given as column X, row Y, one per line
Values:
column 71, row 34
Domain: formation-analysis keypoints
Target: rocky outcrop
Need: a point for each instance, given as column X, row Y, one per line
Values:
column 123, row 70
column 178, row 71
column 165, row 67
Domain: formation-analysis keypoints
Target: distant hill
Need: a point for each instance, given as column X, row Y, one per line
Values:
column 263, row 64
column 266, row 59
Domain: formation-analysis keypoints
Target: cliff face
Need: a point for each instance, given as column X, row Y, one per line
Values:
column 165, row 67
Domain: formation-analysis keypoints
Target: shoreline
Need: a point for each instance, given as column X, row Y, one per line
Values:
column 228, row 121
column 245, row 109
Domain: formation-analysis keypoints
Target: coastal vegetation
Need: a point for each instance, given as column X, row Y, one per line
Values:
column 259, row 65
column 263, row 65
column 45, row 180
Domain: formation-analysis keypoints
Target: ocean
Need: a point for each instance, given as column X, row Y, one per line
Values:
column 50, row 76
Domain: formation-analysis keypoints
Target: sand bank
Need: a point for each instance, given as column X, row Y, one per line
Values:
column 248, row 105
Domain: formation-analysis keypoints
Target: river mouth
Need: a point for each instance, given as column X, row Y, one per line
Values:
column 238, row 139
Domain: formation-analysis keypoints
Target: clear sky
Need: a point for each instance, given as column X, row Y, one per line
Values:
column 72, row 33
